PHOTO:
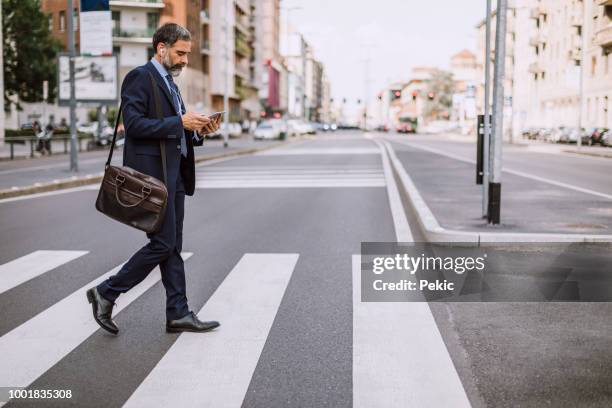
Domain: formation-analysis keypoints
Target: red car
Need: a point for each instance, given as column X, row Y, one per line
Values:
column 405, row 128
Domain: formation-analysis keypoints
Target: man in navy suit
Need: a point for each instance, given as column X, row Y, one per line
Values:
column 143, row 131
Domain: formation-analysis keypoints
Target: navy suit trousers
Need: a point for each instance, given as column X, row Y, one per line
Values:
column 164, row 249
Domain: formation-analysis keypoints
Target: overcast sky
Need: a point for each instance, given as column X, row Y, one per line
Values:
column 398, row 34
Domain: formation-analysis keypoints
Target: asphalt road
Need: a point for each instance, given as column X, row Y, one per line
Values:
column 270, row 243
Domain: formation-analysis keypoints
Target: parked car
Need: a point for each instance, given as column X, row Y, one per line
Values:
column 596, row 135
column 296, row 127
column 404, row 128
column 267, row 130
column 606, row 138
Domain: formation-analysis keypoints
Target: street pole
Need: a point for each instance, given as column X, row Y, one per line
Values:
column 495, row 166
column 227, row 84
column 74, row 166
column 487, row 123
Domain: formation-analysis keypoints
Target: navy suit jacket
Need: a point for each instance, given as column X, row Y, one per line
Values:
column 143, row 130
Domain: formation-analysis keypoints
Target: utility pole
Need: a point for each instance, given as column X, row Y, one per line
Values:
column 74, row 165
column 366, row 88
column 487, row 112
column 495, row 165
column 226, row 56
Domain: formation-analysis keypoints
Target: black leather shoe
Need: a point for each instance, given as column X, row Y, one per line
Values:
column 102, row 310
column 189, row 323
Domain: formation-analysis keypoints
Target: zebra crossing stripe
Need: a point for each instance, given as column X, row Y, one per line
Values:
column 279, row 177
column 27, row 267
column 318, row 151
column 399, row 358
column 214, row 369
column 39, row 343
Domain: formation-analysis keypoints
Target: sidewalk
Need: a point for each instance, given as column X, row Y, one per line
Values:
column 451, row 199
column 27, row 176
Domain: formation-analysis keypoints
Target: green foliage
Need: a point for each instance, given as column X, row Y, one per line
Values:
column 442, row 86
column 92, row 115
column 111, row 115
column 29, row 52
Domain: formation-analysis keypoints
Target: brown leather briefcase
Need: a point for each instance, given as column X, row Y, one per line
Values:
column 129, row 196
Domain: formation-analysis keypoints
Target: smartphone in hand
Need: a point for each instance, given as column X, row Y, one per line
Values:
column 216, row 115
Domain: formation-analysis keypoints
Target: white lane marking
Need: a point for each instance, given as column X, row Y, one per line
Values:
column 278, row 177
column 399, row 358
column 214, row 369
column 315, row 151
column 512, row 171
column 39, row 343
column 402, row 229
column 27, row 267
column 51, row 193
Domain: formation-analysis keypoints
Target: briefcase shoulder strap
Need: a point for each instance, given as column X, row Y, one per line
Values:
column 160, row 115
column 158, row 111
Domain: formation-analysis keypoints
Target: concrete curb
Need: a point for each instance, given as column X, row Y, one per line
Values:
column 434, row 232
column 97, row 177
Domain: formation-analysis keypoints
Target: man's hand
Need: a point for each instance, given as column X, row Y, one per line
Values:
column 194, row 121
column 212, row 126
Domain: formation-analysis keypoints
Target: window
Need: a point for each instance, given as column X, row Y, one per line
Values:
column 152, row 21
column 50, row 22
column 62, row 21
column 116, row 18
column 75, row 20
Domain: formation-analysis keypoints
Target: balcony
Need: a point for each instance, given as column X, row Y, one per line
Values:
column 575, row 54
column 242, row 47
column 243, row 26
column 242, row 91
column 603, row 37
column 576, row 20
column 145, row 4
column 242, row 70
column 536, row 12
column 536, row 40
column 204, row 17
column 535, row 68
column 142, row 36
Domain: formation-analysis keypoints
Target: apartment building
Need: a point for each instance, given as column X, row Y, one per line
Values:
column 271, row 67
column 232, row 56
column 597, row 74
column 558, row 69
column 517, row 70
column 557, row 41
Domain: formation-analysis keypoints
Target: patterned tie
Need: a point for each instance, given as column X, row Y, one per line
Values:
column 177, row 100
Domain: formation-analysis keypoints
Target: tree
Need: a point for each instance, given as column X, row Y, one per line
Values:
column 30, row 52
column 440, row 89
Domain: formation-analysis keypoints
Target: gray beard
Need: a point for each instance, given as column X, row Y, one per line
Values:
column 174, row 71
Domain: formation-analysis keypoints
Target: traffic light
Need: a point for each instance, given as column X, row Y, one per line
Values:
column 431, row 96
column 396, row 94
column 414, row 95
column 380, row 96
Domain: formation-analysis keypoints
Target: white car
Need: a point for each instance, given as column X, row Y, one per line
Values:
column 267, row 130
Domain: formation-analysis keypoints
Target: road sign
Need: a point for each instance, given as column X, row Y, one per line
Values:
column 96, row 79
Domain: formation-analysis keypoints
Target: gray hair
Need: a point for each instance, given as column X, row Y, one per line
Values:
column 170, row 33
